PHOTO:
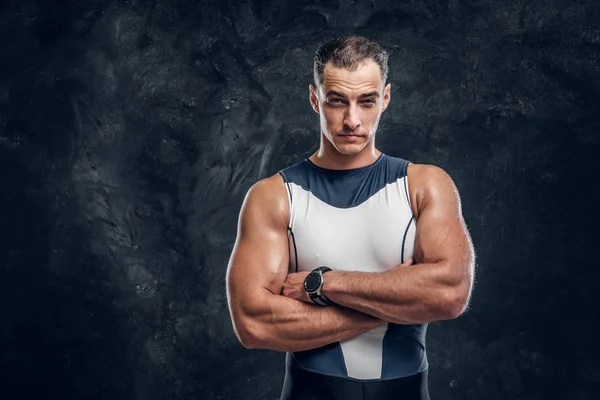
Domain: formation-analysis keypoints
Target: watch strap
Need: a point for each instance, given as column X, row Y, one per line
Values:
column 322, row 268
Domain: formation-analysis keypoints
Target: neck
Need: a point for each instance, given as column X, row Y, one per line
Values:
column 329, row 157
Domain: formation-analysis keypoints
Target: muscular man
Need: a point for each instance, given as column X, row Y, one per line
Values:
column 354, row 329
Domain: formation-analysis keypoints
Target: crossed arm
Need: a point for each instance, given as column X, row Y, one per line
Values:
column 258, row 267
column 263, row 298
column 437, row 287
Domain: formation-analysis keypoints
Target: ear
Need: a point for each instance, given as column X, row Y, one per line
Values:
column 386, row 96
column 314, row 98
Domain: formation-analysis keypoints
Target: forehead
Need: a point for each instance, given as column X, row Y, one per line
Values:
column 367, row 77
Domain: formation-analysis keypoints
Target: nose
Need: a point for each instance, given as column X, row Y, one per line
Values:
column 351, row 119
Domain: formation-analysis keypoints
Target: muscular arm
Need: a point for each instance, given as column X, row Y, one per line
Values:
column 438, row 286
column 261, row 316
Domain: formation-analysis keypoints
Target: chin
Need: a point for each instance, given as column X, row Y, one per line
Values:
column 350, row 148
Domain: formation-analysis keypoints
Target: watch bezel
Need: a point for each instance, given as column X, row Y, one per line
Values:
column 318, row 284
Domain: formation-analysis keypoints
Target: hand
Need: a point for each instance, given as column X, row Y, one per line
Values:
column 293, row 287
column 406, row 263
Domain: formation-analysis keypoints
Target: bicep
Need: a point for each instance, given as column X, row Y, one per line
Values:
column 442, row 235
column 259, row 260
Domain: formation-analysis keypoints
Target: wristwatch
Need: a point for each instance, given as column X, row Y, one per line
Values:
column 313, row 284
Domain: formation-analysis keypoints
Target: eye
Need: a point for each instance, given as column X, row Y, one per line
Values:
column 369, row 102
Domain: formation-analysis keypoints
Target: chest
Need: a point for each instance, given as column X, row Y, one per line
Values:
column 374, row 236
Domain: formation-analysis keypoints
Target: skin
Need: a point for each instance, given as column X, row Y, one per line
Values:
column 269, row 307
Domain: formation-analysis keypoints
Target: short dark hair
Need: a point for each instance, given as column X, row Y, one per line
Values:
column 349, row 52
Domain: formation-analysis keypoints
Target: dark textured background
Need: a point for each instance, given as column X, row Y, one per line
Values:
column 130, row 131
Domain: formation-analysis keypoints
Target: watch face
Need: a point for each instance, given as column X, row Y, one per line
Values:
column 312, row 282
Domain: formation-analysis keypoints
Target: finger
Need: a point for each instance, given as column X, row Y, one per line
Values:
column 407, row 262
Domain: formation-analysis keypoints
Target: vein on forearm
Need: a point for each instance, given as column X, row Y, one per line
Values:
column 412, row 294
column 291, row 325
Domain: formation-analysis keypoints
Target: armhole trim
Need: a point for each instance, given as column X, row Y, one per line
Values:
column 407, row 192
column 404, row 238
column 289, row 227
column 290, row 199
column 295, row 249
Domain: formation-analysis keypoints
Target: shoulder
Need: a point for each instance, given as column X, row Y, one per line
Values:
column 267, row 199
column 430, row 183
column 428, row 174
column 269, row 191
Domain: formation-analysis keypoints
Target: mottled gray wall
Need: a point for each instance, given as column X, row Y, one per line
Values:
column 130, row 132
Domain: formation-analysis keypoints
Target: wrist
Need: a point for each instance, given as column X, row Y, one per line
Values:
column 313, row 285
column 330, row 283
column 365, row 321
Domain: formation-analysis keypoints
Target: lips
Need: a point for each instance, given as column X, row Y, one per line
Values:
column 351, row 137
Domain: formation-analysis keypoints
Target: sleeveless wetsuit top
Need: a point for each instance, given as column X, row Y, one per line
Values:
column 355, row 220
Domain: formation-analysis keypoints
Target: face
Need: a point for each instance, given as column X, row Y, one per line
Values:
column 350, row 104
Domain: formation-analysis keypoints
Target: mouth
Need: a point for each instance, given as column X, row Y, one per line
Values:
column 350, row 136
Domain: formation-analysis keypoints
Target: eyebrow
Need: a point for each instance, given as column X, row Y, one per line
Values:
column 370, row 94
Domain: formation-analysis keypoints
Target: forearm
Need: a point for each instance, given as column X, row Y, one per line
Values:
column 415, row 294
column 285, row 324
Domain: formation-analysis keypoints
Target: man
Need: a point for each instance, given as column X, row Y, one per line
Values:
column 322, row 267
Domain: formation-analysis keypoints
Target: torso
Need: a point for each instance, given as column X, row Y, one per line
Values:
column 358, row 220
